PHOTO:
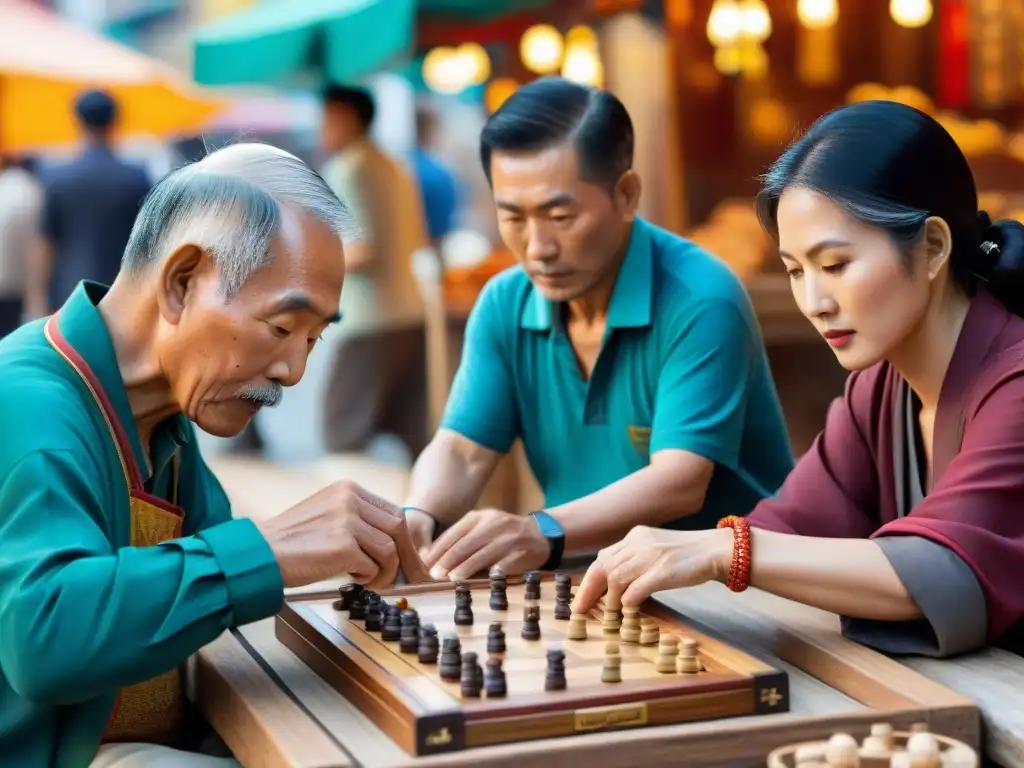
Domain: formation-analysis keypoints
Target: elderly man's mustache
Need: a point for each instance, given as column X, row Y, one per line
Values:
column 267, row 395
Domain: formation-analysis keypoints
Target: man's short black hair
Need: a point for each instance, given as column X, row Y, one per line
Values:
column 96, row 109
column 553, row 110
column 359, row 99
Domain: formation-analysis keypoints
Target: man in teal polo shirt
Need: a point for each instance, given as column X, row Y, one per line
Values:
column 627, row 359
column 119, row 557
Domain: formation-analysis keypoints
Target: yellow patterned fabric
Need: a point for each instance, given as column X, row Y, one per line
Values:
column 150, row 711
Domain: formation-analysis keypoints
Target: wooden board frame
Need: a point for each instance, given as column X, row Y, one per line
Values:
column 274, row 712
column 424, row 719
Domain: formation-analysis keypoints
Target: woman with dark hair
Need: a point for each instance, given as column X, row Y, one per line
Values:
column 906, row 517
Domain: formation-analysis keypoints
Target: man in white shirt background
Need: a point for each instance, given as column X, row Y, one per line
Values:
column 21, row 200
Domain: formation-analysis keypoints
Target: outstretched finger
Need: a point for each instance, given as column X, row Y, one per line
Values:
column 446, row 541
column 479, row 561
column 593, row 585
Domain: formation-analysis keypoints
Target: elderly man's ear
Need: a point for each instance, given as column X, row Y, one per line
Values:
column 179, row 273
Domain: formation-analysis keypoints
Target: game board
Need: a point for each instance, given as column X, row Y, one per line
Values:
column 426, row 714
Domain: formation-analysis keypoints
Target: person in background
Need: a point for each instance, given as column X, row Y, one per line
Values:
column 377, row 381
column 20, row 204
column 905, row 516
column 627, row 359
column 89, row 206
column 438, row 185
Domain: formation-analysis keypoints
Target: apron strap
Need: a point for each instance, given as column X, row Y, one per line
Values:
column 56, row 339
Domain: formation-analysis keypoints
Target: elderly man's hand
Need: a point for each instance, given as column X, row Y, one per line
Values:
column 484, row 538
column 342, row 529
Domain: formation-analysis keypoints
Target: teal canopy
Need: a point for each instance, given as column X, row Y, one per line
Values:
column 339, row 40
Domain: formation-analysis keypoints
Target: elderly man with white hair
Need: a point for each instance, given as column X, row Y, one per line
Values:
column 119, row 556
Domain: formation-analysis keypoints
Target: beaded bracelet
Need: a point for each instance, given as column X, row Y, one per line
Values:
column 739, row 571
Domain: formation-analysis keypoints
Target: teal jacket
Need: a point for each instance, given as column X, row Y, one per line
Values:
column 81, row 612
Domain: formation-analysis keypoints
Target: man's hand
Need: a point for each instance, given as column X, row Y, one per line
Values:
column 341, row 529
column 649, row 560
column 484, row 538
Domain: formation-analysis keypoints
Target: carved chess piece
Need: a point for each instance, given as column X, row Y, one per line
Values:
column 611, row 670
column 450, row 667
column 668, row 649
column 630, row 630
column 494, row 679
column 499, row 590
column 471, row 678
column 428, row 645
column 554, row 679
column 688, row 660
column 649, row 632
column 532, row 579
column 495, row 638
column 563, row 596
column 531, row 623
column 578, row 626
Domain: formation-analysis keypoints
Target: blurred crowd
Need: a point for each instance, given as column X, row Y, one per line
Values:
column 68, row 221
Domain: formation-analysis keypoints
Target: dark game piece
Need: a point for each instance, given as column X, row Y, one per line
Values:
column 463, row 616
column 463, row 605
column 409, row 639
column 554, row 680
column 345, row 595
column 532, row 579
column 356, row 608
column 450, row 667
column 428, row 645
column 463, row 593
column 563, row 596
column 531, row 623
column 392, row 629
column 471, row 678
column 494, row 679
column 374, row 615
column 495, row 638
column 499, row 595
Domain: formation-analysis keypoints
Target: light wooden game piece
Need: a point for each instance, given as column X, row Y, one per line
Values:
column 923, row 751
column 610, row 624
column 612, row 603
column 883, row 731
column 649, row 632
column 578, row 626
column 611, row 670
column 841, row 752
column 668, row 649
column 629, row 632
column 874, row 747
column 688, row 660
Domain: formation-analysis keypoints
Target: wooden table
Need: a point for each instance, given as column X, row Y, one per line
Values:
column 273, row 711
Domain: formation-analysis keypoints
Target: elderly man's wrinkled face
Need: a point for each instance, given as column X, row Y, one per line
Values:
column 226, row 358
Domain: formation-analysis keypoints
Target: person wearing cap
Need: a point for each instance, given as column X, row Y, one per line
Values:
column 89, row 206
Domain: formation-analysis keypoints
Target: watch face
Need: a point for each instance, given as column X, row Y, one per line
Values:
column 549, row 526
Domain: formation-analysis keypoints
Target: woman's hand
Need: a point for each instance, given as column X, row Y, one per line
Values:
column 649, row 560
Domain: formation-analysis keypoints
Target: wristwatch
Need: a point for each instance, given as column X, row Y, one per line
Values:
column 555, row 534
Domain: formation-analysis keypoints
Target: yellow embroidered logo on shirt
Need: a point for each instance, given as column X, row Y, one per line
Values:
column 640, row 437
